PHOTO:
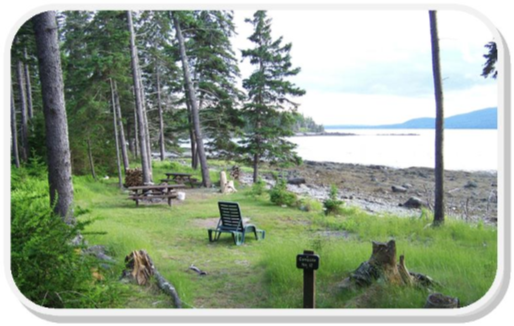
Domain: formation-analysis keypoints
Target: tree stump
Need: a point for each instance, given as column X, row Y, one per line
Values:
column 383, row 265
column 226, row 186
column 438, row 300
column 140, row 268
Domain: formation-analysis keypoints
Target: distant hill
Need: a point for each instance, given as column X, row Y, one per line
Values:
column 481, row 119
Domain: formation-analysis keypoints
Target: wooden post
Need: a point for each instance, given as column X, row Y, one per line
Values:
column 309, row 262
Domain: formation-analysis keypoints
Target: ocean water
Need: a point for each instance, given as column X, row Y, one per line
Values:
column 469, row 150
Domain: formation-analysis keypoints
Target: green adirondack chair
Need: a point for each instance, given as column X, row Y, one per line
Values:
column 231, row 221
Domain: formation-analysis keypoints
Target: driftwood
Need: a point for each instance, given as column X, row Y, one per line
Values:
column 196, row 269
column 383, row 265
column 141, row 268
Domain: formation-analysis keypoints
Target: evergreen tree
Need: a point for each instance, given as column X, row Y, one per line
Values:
column 269, row 110
column 50, row 72
column 490, row 64
column 138, row 93
column 162, row 78
column 95, row 48
column 216, row 71
column 439, row 124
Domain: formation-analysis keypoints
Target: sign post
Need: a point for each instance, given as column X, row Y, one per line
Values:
column 309, row 262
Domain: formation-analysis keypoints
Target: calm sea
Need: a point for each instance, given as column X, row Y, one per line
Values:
column 469, row 150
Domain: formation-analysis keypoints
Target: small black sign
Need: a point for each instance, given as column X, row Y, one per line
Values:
column 307, row 261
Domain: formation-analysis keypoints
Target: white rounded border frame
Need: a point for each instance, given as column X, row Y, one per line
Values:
column 469, row 313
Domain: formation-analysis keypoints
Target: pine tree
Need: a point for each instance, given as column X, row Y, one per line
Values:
column 50, row 72
column 138, row 93
column 216, row 71
column 206, row 180
column 95, row 48
column 439, row 127
column 490, row 64
column 269, row 108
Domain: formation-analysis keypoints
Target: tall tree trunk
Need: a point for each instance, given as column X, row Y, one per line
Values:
column 162, row 147
column 206, row 181
column 256, row 156
column 131, row 146
column 255, row 167
column 90, row 157
column 145, row 115
column 192, row 137
column 28, row 87
column 24, row 116
column 145, row 164
column 14, row 132
column 439, row 131
column 121, row 133
column 116, row 136
column 56, row 126
column 147, row 126
column 136, row 133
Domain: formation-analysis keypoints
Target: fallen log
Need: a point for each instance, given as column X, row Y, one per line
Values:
column 141, row 268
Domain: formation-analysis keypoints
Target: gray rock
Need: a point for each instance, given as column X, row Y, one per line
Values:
column 414, row 202
column 471, row 184
column 398, row 189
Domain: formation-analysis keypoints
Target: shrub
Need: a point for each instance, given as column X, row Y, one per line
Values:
column 332, row 205
column 279, row 195
column 46, row 267
column 258, row 188
column 310, row 205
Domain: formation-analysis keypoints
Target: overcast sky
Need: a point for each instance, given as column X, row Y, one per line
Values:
column 375, row 67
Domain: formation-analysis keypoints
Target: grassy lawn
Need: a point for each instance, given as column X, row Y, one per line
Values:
column 262, row 274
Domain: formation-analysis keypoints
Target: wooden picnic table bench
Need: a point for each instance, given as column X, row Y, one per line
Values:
column 180, row 178
column 153, row 192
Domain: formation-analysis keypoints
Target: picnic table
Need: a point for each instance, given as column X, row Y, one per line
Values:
column 180, row 178
column 153, row 192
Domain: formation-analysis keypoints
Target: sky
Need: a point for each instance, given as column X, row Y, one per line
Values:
column 375, row 67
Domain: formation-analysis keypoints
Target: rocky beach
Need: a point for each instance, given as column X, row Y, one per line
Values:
column 381, row 190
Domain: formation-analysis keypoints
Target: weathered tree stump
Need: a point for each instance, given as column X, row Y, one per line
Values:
column 226, row 186
column 438, row 300
column 140, row 268
column 383, row 265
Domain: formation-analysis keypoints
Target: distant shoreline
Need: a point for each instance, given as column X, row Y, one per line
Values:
column 326, row 133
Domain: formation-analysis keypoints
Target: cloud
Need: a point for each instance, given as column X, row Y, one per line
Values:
column 375, row 67
column 373, row 109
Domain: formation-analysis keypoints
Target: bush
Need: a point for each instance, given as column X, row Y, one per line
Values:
column 279, row 195
column 310, row 205
column 258, row 188
column 332, row 205
column 46, row 267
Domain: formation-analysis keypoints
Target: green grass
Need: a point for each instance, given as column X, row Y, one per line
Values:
column 262, row 274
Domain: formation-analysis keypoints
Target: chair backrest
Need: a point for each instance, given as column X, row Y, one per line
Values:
column 230, row 216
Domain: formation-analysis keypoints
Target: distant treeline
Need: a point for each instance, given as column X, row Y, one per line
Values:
column 306, row 124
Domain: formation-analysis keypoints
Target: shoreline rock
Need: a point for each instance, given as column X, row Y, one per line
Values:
column 470, row 196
